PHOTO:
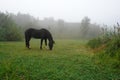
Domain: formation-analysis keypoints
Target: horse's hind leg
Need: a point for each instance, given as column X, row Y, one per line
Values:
column 27, row 42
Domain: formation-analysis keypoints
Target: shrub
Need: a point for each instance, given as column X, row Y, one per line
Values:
column 94, row 43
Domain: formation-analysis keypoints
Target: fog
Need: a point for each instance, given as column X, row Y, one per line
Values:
column 99, row 11
column 73, row 19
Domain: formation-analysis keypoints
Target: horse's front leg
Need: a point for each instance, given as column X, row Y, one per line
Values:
column 41, row 44
column 46, row 42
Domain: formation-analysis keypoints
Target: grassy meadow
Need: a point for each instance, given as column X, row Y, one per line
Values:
column 69, row 60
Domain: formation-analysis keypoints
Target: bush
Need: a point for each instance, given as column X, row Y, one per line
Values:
column 97, row 42
column 94, row 43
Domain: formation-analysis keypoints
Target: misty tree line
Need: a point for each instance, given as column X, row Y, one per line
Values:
column 9, row 30
column 12, row 27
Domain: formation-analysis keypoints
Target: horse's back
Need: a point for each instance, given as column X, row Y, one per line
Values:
column 45, row 33
column 41, row 33
column 43, row 30
column 30, row 30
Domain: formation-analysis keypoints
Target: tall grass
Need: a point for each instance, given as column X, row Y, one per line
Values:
column 108, row 47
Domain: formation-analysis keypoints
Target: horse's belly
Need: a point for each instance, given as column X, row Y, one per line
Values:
column 37, row 37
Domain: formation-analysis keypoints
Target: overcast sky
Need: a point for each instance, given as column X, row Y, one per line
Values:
column 99, row 11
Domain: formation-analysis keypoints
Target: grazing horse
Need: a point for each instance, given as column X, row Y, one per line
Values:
column 42, row 34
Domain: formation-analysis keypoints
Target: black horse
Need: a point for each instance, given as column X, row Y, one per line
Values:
column 42, row 34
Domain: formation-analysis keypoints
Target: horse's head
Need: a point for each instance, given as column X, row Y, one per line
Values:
column 51, row 44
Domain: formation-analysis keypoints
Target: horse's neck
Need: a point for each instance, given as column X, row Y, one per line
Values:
column 50, row 38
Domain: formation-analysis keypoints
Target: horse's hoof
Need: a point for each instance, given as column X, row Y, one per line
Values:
column 29, row 48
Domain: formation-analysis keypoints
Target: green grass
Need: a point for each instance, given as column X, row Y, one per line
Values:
column 69, row 60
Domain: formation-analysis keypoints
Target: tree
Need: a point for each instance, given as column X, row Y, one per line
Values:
column 85, row 23
column 9, row 31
